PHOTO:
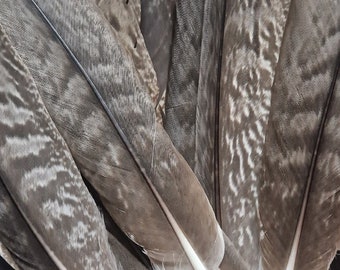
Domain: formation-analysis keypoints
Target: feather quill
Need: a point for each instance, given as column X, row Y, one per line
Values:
column 252, row 40
column 299, row 196
column 105, row 163
column 155, row 157
column 81, row 120
column 39, row 173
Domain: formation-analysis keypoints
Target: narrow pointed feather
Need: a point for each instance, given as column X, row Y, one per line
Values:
column 76, row 111
column 251, row 45
column 39, row 173
column 124, row 16
column 157, row 28
column 299, row 197
column 130, row 109
column 192, row 88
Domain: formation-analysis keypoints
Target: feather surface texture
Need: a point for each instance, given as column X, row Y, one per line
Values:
column 19, row 239
column 41, row 177
column 252, row 40
column 105, row 163
column 192, row 88
column 299, row 196
column 125, row 16
column 157, row 21
column 155, row 157
column 164, row 134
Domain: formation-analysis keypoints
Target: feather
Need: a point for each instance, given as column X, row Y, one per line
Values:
column 156, row 159
column 299, row 196
column 192, row 88
column 252, row 40
column 105, row 163
column 157, row 29
column 38, row 172
column 124, row 17
column 80, row 119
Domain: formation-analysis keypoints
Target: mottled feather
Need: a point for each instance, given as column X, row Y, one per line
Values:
column 131, row 111
column 251, row 45
column 41, row 177
column 124, row 17
column 105, row 163
column 7, row 257
column 299, row 196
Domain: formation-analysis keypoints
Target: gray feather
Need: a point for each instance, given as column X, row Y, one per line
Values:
column 192, row 87
column 39, row 173
column 105, row 163
column 157, row 29
column 299, row 196
column 150, row 147
column 124, row 17
column 252, row 40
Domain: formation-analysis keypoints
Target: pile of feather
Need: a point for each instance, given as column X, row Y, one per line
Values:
column 163, row 134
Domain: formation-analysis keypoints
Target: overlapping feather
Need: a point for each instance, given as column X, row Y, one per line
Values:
column 44, row 202
column 192, row 88
column 299, row 196
column 273, row 185
column 150, row 149
column 251, row 45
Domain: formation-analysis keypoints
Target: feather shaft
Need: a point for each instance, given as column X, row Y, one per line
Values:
column 44, row 187
column 133, row 147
